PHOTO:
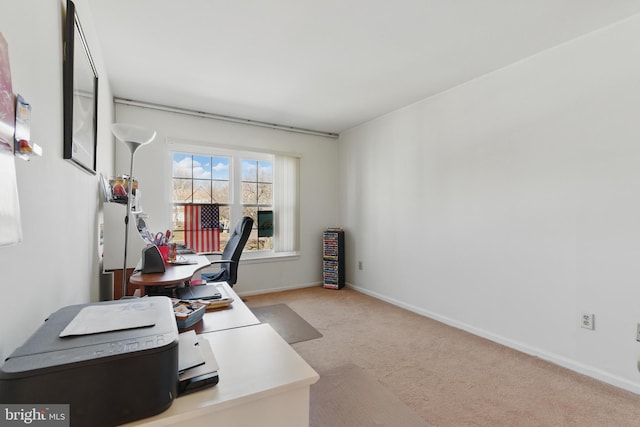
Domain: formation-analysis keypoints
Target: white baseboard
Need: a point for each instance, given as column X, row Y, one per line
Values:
column 283, row 288
column 570, row 364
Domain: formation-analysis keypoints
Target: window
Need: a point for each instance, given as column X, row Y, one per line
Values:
column 262, row 186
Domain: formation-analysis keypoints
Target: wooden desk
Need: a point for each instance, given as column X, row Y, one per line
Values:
column 174, row 274
column 263, row 382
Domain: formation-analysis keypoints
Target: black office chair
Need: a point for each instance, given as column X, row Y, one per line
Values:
column 228, row 271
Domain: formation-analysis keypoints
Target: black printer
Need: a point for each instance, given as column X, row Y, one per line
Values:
column 112, row 362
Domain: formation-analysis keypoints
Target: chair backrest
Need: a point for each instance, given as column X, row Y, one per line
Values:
column 235, row 245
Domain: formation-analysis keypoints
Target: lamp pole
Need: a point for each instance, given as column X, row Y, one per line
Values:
column 133, row 136
column 126, row 223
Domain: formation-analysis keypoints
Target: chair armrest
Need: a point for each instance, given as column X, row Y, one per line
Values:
column 222, row 261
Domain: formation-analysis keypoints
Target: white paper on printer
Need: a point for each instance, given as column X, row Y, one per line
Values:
column 95, row 319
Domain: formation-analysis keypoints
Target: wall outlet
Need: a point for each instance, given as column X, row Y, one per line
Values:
column 638, row 333
column 359, row 265
column 587, row 320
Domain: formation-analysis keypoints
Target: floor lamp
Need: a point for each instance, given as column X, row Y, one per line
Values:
column 134, row 137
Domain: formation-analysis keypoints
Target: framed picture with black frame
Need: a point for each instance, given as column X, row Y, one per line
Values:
column 80, row 88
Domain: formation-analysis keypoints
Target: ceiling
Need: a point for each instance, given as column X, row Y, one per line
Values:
column 324, row 65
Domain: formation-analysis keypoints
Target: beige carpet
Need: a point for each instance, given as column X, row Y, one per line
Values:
column 347, row 396
column 287, row 323
column 446, row 376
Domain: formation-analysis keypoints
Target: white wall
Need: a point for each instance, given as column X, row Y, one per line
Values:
column 57, row 263
column 318, row 183
column 510, row 204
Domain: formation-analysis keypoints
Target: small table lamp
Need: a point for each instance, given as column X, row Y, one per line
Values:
column 134, row 137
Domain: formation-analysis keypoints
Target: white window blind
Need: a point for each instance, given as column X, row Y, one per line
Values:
column 286, row 198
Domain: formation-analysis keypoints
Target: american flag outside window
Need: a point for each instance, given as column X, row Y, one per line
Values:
column 202, row 227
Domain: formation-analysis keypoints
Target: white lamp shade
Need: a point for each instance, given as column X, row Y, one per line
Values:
column 132, row 135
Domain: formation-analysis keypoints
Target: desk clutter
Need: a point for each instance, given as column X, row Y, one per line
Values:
column 195, row 300
column 212, row 295
column 197, row 366
column 187, row 312
column 163, row 240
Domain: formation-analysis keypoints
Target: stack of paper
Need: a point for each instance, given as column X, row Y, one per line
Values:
column 197, row 366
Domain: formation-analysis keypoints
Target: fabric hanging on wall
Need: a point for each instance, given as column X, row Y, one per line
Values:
column 10, row 220
column 202, row 227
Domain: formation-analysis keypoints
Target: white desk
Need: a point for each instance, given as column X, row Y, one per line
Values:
column 237, row 315
column 263, row 382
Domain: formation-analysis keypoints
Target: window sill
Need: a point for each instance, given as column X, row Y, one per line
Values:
column 259, row 257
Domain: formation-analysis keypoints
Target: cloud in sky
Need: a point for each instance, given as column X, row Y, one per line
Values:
column 200, row 166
